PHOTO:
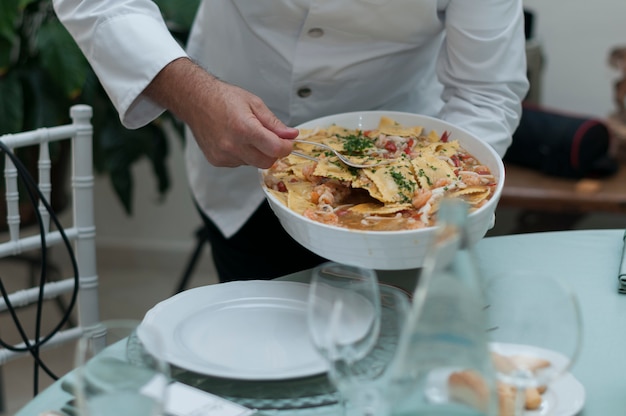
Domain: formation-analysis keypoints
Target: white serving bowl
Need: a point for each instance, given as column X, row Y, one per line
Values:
column 386, row 250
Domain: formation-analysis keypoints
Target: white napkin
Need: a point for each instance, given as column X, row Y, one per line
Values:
column 184, row 400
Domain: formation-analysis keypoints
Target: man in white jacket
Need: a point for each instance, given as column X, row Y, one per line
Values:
column 253, row 68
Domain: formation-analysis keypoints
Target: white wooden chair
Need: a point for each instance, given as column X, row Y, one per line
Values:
column 78, row 240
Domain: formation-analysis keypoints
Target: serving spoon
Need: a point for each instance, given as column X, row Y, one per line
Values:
column 341, row 156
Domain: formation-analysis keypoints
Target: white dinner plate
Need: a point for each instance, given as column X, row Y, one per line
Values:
column 564, row 396
column 245, row 330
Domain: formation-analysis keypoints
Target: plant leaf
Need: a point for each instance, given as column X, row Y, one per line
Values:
column 180, row 12
column 50, row 73
column 118, row 157
column 157, row 153
column 61, row 58
column 11, row 104
column 46, row 105
column 122, row 182
column 121, row 148
column 9, row 11
column 179, row 16
column 6, row 46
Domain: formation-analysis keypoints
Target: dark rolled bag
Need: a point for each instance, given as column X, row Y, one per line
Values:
column 560, row 144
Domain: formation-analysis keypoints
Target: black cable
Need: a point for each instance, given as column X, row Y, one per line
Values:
column 20, row 329
column 42, row 279
column 33, row 349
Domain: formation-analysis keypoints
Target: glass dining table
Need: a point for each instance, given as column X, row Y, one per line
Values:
column 588, row 260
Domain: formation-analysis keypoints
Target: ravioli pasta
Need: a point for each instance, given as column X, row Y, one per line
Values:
column 423, row 167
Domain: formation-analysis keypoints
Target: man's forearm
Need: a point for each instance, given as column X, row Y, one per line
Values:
column 179, row 84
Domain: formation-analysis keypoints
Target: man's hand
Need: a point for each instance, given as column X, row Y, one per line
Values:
column 232, row 126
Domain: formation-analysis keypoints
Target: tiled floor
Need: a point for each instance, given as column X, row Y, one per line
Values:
column 128, row 288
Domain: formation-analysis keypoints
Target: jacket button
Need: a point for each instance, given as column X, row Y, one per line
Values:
column 304, row 92
column 316, row 32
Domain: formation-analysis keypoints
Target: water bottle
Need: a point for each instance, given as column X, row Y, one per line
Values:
column 443, row 365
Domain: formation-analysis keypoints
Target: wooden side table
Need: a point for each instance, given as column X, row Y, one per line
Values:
column 549, row 203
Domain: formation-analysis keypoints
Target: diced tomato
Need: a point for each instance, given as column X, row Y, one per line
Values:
column 445, row 136
column 455, row 160
column 367, row 133
column 409, row 146
column 391, row 146
column 280, row 186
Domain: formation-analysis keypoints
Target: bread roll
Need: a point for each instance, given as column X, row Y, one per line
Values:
column 468, row 387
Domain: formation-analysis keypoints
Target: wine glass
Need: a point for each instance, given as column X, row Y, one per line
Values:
column 535, row 328
column 354, row 323
column 119, row 370
column 367, row 385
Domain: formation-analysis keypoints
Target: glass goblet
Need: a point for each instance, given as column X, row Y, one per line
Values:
column 366, row 384
column 119, row 370
column 535, row 329
column 343, row 311
column 343, row 315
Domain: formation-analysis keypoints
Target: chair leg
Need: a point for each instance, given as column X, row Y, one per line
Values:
column 2, row 402
column 202, row 237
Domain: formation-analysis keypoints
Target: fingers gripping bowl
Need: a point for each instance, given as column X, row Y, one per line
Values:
column 385, row 250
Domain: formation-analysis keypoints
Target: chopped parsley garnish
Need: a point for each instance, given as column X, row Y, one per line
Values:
column 422, row 174
column 356, row 144
column 353, row 171
column 404, row 198
column 402, row 182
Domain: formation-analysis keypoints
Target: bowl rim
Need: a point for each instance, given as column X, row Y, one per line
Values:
column 325, row 120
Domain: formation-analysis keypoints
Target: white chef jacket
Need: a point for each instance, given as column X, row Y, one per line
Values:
column 460, row 60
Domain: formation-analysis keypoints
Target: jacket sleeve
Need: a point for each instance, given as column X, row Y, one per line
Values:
column 126, row 43
column 483, row 68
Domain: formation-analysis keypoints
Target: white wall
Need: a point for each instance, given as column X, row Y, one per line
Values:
column 155, row 225
column 576, row 36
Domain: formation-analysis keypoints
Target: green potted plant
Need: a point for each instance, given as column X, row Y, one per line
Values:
column 43, row 73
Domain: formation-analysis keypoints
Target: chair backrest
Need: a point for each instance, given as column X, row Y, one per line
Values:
column 78, row 239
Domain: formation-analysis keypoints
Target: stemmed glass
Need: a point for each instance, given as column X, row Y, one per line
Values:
column 535, row 327
column 355, row 324
column 119, row 370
